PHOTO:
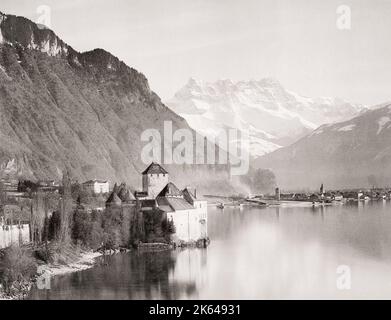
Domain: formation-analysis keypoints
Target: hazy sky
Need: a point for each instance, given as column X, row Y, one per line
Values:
column 297, row 42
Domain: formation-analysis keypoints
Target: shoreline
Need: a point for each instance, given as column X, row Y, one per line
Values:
column 85, row 261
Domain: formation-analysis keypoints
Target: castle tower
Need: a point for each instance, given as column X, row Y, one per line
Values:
column 155, row 178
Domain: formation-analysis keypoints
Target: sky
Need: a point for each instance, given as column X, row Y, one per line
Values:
column 296, row 42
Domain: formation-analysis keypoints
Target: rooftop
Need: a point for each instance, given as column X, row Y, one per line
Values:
column 173, row 204
column 95, row 181
column 126, row 196
column 114, row 199
column 189, row 195
column 154, row 168
column 170, row 190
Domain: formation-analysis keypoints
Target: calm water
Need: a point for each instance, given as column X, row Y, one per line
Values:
column 271, row 253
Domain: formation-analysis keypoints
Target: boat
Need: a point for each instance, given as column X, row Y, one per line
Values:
column 220, row 205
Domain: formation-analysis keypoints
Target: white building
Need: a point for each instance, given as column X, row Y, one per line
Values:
column 97, row 186
column 13, row 234
column 188, row 214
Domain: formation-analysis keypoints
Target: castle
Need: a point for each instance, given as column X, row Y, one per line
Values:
column 188, row 214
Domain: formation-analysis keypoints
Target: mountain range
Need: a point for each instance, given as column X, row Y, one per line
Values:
column 60, row 108
column 273, row 116
column 352, row 153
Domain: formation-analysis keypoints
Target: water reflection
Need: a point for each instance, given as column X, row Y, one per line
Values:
column 270, row 253
column 139, row 275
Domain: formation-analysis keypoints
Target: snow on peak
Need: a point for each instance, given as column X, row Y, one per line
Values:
column 193, row 83
column 269, row 82
column 263, row 105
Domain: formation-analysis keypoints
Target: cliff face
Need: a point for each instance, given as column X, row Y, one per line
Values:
column 85, row 111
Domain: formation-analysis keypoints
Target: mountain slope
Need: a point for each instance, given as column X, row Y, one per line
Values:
column 352, row 153
column 273, row 115
column 85, row 111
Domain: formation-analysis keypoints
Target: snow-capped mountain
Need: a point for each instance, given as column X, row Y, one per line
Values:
column 273, row 116
column 352, row 153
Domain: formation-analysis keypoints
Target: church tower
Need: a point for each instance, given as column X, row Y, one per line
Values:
column 321, row 190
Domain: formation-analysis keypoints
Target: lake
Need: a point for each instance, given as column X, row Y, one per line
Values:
column 295, row 252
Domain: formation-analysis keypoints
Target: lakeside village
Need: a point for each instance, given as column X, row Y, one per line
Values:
column 55, row 225
column 320, row 198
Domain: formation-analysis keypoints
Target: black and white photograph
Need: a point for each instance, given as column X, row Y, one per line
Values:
column 195, row 150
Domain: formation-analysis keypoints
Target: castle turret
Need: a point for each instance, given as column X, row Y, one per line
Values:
column 113, row 200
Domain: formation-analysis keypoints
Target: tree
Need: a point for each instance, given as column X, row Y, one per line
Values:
column 96, row 236
column 3, row 195
column 111, row 223
column 38, row 215
column 65, row 208
column 81, row 226
column 168, row 228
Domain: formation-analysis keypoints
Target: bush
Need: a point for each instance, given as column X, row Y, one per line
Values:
column 157, row 226
column 16, row 266
column 112, row 227
column 168, row 228
column 96, row 236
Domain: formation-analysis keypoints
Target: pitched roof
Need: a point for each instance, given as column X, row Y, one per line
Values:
column 173, row 204
column 95, row 181
column 188, row 195
column 163, row 204
column 170, row 190
column 154, row 168
column 127, row 196
column 114, row 199
column 124, row 193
